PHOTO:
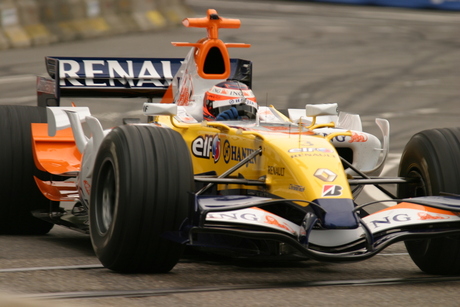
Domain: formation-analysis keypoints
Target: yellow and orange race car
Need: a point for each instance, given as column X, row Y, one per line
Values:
column 213, row 169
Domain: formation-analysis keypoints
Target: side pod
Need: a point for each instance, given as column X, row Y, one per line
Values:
column 57, row 155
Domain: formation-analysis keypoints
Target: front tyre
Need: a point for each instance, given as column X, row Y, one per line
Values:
column 433, row 156
column 142, row 176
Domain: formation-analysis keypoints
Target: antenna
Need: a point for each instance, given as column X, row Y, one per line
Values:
column 242, row 93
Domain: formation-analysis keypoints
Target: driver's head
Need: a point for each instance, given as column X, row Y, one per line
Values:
column 227, row 96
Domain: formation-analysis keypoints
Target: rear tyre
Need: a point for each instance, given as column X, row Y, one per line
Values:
column 142, row 176
column 19, row 195
column 434, row 157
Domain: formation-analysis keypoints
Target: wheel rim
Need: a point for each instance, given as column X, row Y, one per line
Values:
column 105, row 198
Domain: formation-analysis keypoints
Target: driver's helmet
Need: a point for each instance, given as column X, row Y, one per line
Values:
column 228, row 95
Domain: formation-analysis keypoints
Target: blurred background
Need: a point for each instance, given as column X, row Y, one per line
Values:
column 26, row 23
column 395, row 59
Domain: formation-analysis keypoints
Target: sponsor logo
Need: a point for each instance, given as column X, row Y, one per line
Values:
column 325, row 175
column 117, row 72
column 355, row 138
column 295, row 187
column 390, row 220
column 235, row 101
column 331, row 190
column 87, row 187
column 273, row 221
column 185, row 90
column 46, row 86
column 233, row 216
column 232, row 92
column 396, row 218
column 425, row 216
column 306, row 143
column 296, row 150
column 358, row 138
column 216, row 148
column 313, row 154
column 226, row 151
column 250, row 218
column 339, row 138
column 276, row 170
column 236, row 153
column 207, row 146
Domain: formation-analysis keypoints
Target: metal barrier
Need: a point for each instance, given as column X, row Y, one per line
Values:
column 88, row 20
column 14, row 34
column 414, row 4
column 57, row 17
column 174, row 10
column 73, row 19
column 4, row 43
column 116, row 22
column 29, row 18
column 25, row 23
column 141, row 15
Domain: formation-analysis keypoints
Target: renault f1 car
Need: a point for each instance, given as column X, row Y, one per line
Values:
column 281, row 185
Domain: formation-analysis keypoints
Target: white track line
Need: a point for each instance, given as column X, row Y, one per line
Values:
column 69, row 267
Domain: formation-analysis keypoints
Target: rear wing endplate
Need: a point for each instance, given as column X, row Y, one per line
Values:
column 116, row 77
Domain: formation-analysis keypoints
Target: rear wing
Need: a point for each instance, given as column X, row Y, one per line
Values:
column 116, row 77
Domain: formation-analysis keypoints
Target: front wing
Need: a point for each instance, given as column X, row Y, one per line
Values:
column 245, row 217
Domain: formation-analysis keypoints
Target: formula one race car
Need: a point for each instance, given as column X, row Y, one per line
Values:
column 212, row 169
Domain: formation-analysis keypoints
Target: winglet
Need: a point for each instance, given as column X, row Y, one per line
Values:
column 212, row 22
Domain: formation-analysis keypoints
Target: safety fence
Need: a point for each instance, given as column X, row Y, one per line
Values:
column 26, row 23
column 452, row 5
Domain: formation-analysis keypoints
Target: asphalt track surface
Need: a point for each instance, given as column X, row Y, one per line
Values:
column 403, row 65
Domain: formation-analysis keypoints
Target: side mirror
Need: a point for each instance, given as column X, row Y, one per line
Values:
column 314, row 110
column 157, row 108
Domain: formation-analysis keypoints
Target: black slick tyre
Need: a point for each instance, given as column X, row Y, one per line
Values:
column 142, row 177
column 433, row 156
column 18, row 190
